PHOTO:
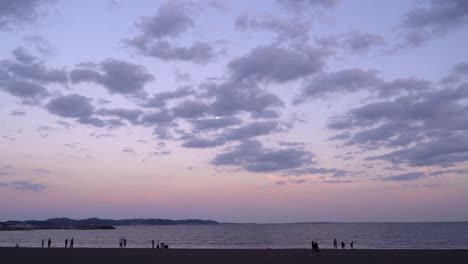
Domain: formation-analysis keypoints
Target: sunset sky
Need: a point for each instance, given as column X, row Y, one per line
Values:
column 235, row 111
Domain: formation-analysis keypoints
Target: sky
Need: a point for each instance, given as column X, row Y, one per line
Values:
column 265, row 111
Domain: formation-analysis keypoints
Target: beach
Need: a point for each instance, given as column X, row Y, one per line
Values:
column 212, row 256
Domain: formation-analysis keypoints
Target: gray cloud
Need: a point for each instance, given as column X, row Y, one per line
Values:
column 438, row 16
column 190, row 109
column 198, row 52
column 434, row 19
column 23, row 56
column 129, row 150
column 444, row 152
column 275, row 64
column 29, row 67
column 361, row 42
column 24, row 185
column 459, row 72
column 160, row 99
column 312, row 170
column 131, row 115
column 117, row 76
column 231, row 98
column 405, row 177
column 252, row 156
column 214, row 123
column 285, row 29
column 73, row 105
column 14, row 12
column 301, row 5
column 430, row 127
column 353, row 80
column 350, row 80
column 157, row 118
column 173, row 19
column 18, row 113
column 29, row 92
column 251, row 130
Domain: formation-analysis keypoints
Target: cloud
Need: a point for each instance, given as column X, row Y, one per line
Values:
column 353, row 80
column 17, row 12
column 30, row 68
column 18, row 113
column 438, row 16
column 29, row 92
column 24, row 185
column 214, row 123
column 350, row 80
column 173, row 19
column 160, row 117
column 73, row 106
column 285, row 29
column 197, row 52
column 131, row 115
column 276, row 64
column 302, row 5
column 446, row 151
column 459, row 72
column 230, row 98
column 119, row 77
column 428, row 128
column 251, row 130
column 362, row 42
column 190, row 109
column 129, row 150
column 312, row 170
column 160, row 99
column 431, row 19
column 252, row 156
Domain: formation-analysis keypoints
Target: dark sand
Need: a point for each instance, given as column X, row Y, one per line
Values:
column 219, row 256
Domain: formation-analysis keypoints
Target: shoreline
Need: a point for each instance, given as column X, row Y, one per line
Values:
column 208, row 256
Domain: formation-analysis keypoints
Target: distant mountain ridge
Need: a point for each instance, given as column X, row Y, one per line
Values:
column 107, row 222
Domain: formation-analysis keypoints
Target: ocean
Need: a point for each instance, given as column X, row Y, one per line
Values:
column 364, row 235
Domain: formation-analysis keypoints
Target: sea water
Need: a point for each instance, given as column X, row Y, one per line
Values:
column 364, row 235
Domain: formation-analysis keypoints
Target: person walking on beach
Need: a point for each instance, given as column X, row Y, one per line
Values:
column 125, row 242
column 71, row 243
column 352, row 244
column 342, row 245
column 317, row 250
column 42, row 243
column 48, row 243
column 66, row 242
column 335, row 244
column 313, row 247
column 152, row 244
column 121, row 243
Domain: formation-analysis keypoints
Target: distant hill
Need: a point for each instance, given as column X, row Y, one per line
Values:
column 67, row 223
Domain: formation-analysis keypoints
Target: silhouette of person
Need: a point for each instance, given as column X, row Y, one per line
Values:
column 48, row 243
column 17, row 245
column 335, row 244
column 352, row 244
column 71, row 243
column 125, row 243
column 66, row 242
column 342, row 245
column 317, row 250
column 313, row 247
column 42, row 243
column 152, row 244
column 121, row 243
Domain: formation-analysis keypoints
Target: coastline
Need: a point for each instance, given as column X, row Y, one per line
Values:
column 208, row 256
